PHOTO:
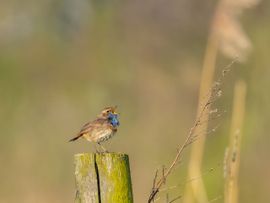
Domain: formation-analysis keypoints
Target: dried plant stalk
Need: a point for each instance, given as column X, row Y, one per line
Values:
column 232, row 159
column 226, row 34
column 157, row 183
column 192, row 136
column 196, row 189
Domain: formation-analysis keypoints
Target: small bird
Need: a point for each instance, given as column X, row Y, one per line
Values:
column 101, row 129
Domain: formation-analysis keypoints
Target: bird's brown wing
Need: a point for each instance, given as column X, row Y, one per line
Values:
column 88, row 127
column 96, row 124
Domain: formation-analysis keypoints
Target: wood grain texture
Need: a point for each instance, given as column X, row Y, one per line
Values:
column 114, row 177
column 103, row 177
column 86, row 179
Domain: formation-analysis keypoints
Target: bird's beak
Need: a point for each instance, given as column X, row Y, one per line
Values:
column 115, row 113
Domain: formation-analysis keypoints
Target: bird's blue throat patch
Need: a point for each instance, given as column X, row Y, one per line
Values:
column 113, row 118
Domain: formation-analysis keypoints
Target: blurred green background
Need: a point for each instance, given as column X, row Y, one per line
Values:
column 62, row 61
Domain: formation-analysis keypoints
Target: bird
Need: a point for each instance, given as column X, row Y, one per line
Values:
column 101, row 129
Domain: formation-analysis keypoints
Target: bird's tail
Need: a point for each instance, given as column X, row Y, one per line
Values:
column 75, row 138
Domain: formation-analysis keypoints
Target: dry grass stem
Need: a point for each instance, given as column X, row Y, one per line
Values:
column 227, row 35
column 232, row 153
column 186, row 182
column 196, row 189
column 159, row 182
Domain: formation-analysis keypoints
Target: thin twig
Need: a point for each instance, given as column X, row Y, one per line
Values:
column 213, row 94
column 176, row 198
column 154, row 182
column 215, row 199
column 155, row 189
column 188, row 181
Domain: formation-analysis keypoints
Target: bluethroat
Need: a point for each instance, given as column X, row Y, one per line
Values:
column 101, row 129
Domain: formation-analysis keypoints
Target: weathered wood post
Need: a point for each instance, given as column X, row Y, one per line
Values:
column 102, row 178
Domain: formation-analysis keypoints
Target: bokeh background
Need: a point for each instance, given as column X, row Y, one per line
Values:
column 62, row 61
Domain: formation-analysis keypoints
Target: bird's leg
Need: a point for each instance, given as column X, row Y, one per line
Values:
column 103, row 148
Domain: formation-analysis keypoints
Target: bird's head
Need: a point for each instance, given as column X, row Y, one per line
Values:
column 107, row 111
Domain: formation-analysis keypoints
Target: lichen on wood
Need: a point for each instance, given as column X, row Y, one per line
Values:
column 86, row 179
column 114, row 177
column 103, row 177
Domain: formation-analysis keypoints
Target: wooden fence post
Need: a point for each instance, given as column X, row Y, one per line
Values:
column 102, row 178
